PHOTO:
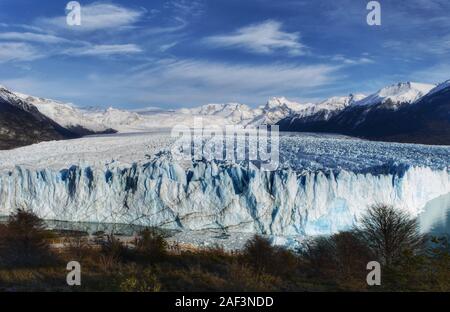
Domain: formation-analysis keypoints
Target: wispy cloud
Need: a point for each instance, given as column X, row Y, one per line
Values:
column 184, row 8
column 179, row 14
column 50, row 35
column 22, row 26
column 264, row 38
column 17, row 51
column 96, row 16
column 431, row 45
column 198, row 81
column 187, row 82
column 105, row 50
column 352, row 61
column 167, row 46
column 29, row 36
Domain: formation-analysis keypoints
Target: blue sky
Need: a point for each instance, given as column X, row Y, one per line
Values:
column 179, row 53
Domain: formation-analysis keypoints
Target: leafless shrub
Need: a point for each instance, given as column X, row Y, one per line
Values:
column 390, row 232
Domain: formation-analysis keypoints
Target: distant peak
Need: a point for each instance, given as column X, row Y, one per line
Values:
column 441, row 86
column 409, row 85
column 335, row 102
column 446, row 82
column 356, row 96
column 276, row 101
column 398, row 93
column 281, row 101
column 4, row 88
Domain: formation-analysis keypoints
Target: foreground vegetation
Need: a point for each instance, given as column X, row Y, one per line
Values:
column 30, row 260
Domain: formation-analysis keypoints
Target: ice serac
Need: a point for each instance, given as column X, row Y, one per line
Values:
column 211, row 195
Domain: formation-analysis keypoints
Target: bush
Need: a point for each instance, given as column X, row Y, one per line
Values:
column 78, row 247
column 134, row 279
column 114, row 247
column 242, row 277
column 150, row 246
column 191, row 278
column 421, row 272
column 439, row 266
column 259, row 253
column 340, row 258
column 265, row 258
column 24, row 241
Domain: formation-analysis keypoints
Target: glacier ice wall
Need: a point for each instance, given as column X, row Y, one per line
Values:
column 210, row 195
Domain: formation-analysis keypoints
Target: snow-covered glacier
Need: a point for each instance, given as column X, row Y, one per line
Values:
column 322, row 185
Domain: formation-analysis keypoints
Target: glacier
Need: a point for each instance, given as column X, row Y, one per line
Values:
column 323, row 186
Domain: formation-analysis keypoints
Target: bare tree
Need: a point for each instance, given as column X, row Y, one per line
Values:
column 390, row 232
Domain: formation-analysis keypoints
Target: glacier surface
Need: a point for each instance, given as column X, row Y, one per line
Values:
column 323, row 185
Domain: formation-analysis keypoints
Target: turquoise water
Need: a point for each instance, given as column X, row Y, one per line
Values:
column 93, row 228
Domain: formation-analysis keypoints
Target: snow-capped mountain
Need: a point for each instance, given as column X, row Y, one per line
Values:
column 277, row 103
column 339, row 102
column 66, row 115
column 324, row 110
column 234, row 112
column 404, row 112
column 115, row 118
column 276, row 109
column 142, row 120
column 354, row 114
column 13, row 99
column 21, row 123
column 397, row 94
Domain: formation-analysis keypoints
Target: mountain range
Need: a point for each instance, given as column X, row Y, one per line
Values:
column 403, row 112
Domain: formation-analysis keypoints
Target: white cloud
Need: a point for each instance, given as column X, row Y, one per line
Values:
column 96, row 16
column 263, row 38
column 28, row 36
column 251, row 77
column 17, row 51
column 104, row 49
